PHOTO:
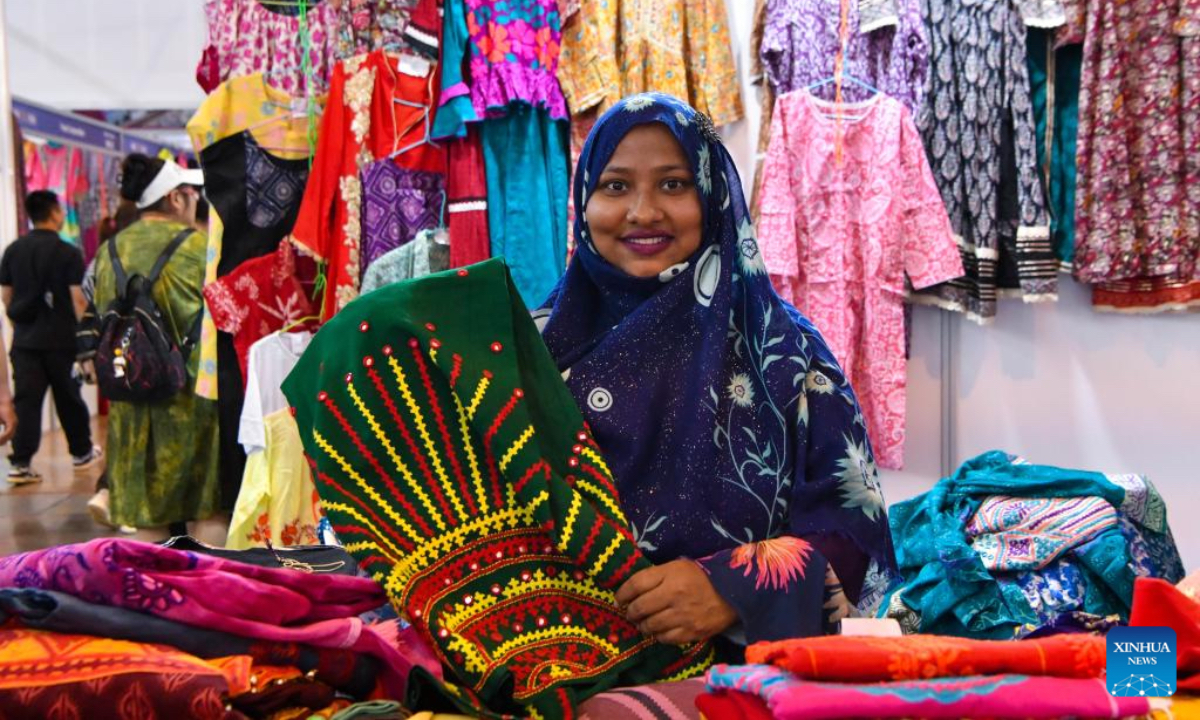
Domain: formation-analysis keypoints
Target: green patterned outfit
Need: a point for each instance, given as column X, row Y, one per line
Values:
column 454, row 464
column 162, row 456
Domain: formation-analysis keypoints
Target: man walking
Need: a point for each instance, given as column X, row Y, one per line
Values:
column 40, row 278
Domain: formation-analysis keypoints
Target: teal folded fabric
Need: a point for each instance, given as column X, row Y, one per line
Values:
column 946, row 582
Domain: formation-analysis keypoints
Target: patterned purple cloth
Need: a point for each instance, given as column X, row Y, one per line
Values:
column 397, row 204
column 273, row 186
column 800, row 43
column 514, row 55
column 245, row 600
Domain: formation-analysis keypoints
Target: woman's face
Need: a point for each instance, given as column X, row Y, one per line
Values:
column 644, row 215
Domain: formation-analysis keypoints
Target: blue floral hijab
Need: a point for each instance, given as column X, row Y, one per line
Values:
column 723, row 413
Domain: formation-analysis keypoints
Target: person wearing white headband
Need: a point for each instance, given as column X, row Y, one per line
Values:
column 172, row 192
column 163, row 455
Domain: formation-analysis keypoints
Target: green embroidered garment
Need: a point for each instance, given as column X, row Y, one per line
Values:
column 454, row 464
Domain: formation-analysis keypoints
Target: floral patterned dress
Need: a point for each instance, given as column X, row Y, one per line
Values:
column 841, row 235
column 246, row 37
column 1138, row 206
column 366, row 25
column 978, row 127
column 514, row 55
column 678, row 47
column 801, row 41
column 362, row 123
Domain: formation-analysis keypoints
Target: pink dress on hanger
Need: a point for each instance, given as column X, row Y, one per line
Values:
column 839, row 235
column 245, row 37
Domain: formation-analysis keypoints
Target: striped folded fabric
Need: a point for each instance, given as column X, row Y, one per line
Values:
column 664, row 701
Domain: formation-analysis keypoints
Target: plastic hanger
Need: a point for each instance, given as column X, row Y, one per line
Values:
column 426, row 139
column 441, row 235
column 288, row 3
column 845, row 78
column 426, row 119
column 289, row 116
column 293, row 325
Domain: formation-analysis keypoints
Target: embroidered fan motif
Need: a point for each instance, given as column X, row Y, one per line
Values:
column 461, row 476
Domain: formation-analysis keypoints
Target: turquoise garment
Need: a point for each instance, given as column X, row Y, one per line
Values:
column 525, row 153
column 423, row 256
column 456, row 108
column 946, row 583
column 1061, row 106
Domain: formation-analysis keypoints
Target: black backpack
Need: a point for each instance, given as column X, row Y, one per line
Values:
column 137, row 359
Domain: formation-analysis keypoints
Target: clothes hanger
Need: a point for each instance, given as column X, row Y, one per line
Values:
column 441, row 235
column 840, row 111
column 289, row 3
column 426, row 119
column 426, row 139
column 294, row 112
column 295, row 324
column 291, row 116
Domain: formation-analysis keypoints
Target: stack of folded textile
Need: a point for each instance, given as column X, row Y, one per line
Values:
column 123, row 629
column 1003, row 548
column 918, row 676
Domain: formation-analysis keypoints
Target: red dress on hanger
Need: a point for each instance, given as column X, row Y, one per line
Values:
column 362, row 123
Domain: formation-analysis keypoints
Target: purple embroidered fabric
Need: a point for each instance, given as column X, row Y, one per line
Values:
column 397, row 204
column 514, row 55
column 273, row 186
column 800, row 43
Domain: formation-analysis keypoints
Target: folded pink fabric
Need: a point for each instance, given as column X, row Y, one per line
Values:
column 991, row 696
column 247, row 600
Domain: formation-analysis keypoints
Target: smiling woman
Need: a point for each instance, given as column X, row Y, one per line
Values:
column 646, row 216
column 737, row 445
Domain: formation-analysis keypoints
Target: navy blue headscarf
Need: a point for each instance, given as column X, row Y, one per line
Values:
column 724, row 415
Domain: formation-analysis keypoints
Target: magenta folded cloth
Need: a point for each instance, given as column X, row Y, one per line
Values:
column 992, row 696
column 247, row 600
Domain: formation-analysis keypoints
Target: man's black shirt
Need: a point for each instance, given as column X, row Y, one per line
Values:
column 41, row 268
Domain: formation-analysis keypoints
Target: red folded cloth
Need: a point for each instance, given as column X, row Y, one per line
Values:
column 732, row 705
column 1159, row 603
column 916, row 657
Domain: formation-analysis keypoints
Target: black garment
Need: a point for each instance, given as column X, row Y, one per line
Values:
column 231, row 396
column 256, row 195
column 35, row 371
column 41, row 268
column 319, row 559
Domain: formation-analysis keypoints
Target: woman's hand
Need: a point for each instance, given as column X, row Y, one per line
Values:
column 675, row 604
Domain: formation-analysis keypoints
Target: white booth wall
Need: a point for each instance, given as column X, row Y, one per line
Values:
column 1056, row 383
column 106, row 54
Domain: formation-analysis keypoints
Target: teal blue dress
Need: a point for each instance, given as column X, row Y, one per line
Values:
column 1057, row 116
